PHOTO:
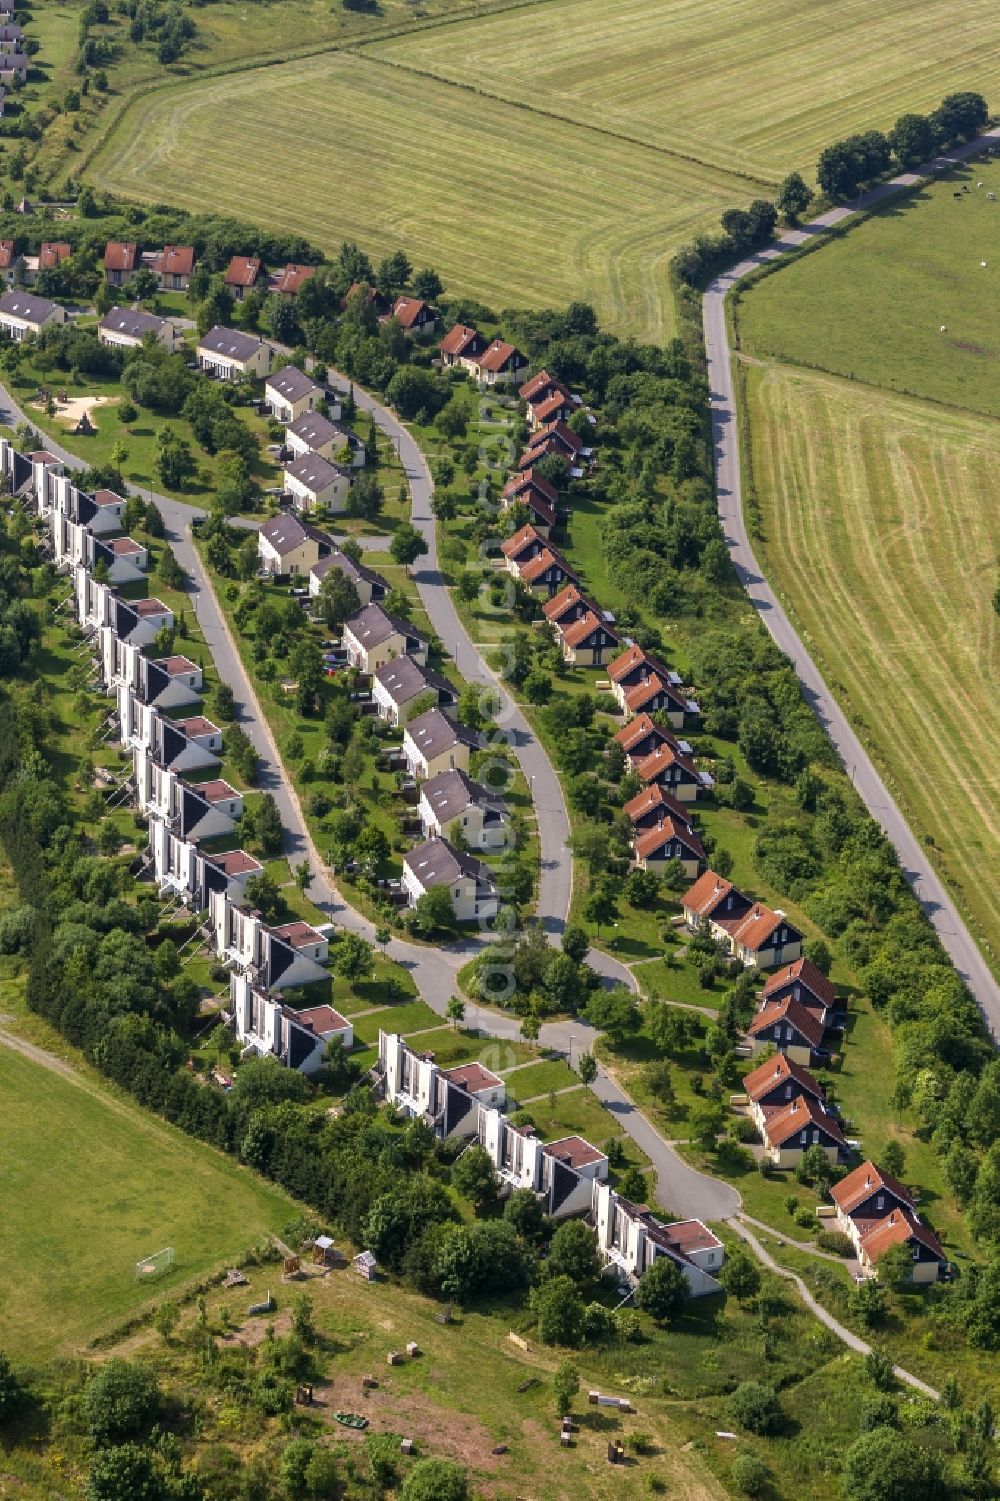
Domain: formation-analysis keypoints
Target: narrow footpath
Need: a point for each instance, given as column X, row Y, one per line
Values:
column 851, row 1340
column 923, row 878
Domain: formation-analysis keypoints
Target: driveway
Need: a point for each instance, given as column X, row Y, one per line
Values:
column 927, row 886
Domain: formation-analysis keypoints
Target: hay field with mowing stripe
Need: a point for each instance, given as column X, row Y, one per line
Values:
column 755, row 88
column 882, row 524
column 509, row 206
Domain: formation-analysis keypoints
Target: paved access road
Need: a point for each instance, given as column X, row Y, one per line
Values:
column 556, row 876
column 923, row 878
column 679, row 1187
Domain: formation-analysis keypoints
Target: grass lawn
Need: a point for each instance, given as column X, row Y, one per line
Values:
column 871, row 304
column 613, row 244
column 896, row 504
column 139, row 438
column 408, row 1016
column 540, row 1078
column 451, row 1046
column 91, row 1184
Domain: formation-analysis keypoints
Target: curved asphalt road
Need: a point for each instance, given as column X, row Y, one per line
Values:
column 679, row 1187
column 556, row 875
column 926, row 884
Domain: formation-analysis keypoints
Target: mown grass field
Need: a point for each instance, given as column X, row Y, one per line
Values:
column 537, row 153
column 881, row 522
column 91, row 1184
column 510, row 206
column 871, row 305
column 752, row 88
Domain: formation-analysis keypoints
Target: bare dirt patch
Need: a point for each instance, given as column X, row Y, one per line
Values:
column 253, row 1332
column 434, row 1429
column 967, row 348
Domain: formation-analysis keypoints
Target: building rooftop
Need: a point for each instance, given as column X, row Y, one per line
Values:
column 230, row 344
column 863, row 1181
column 172, row 666
column 243, row 270
column 433, row 733
column 574, row 1151
column 438, row 863
column 374, row 625
column 217, row 791
column 299, row 934
column 473, row 1077
column 27, row 307
column 293, row 385
column 404, row 679
column 196, row 725
column 322, row 1020
column 314, row 473
column 314, row 429
column 451, row 792
column 235, row 862
column 132, row 323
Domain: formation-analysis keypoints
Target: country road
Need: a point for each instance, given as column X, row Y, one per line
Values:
column 923, row 878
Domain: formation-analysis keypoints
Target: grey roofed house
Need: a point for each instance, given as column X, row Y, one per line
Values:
column 24, row 305
column 286, row 532
column 450, row 793
column 375, row 625
column 132, row 322
column 438, row 863
column 314, row 429
column 315, row 473
column 433, row 733
column 293, row 384
column 404, row 680
column 230, row 343
column 356, row 572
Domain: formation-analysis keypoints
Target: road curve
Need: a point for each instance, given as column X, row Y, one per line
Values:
column 923, row 878
column 556, row 876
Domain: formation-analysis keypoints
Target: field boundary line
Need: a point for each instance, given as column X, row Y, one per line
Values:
column 549, row 114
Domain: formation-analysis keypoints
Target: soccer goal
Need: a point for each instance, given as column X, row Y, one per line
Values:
column 151, row 1267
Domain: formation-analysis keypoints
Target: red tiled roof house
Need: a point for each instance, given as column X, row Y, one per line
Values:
column 877, row 1212
column 245, row 273
column 461, row 346
column 790, row 1028
column 121, row 261
column 414, row 315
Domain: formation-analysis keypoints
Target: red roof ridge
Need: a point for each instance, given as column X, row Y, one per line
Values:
column 779, row 1127
column 805, row 1022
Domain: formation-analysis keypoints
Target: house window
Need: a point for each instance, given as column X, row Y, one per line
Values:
column 880, row 1201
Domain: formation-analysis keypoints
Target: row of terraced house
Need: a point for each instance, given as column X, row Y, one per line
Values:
column 568, row 1176
column 797, row 1009
column 193, row 814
